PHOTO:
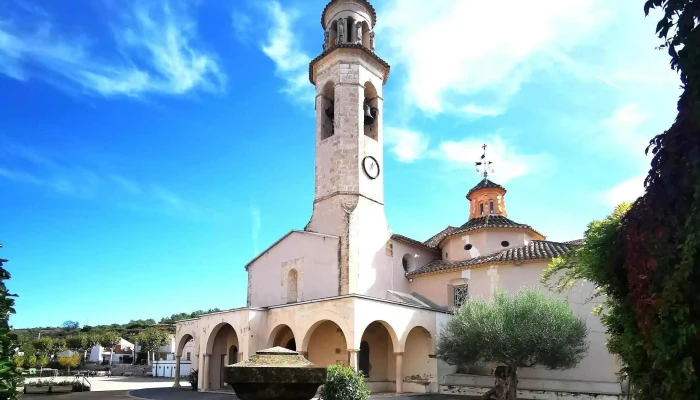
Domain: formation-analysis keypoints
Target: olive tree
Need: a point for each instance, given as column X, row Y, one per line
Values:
column 520, row 330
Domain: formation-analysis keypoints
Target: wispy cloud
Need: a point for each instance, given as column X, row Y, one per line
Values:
column 24, row 165
column 256, row 225
column 406, row 145
column 455, row 54
column 283, row 48
column 242, row 24
column 157, row 52
column 410, row 145
column 628, row 190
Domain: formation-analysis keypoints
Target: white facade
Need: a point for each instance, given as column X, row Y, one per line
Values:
column 166, row 369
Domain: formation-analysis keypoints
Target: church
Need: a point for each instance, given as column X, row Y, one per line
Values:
column 347, row 290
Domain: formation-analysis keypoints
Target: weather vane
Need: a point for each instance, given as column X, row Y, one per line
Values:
column 483, row 166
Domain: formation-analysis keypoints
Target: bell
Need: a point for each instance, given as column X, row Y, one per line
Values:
column 369, row 115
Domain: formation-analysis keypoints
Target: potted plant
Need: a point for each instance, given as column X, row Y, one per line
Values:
column 37, row 386
column 61, row 387
column 80, row 386
column 192, row 378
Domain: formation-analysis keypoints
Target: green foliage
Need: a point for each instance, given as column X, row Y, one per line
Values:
column 42, row 360
column 77, row 342
column 43, row 345
column 69, row 362
column 8, row 341
column 595, row 258
column 18, row 361
column 650, row 270
column 180, row 316
column 109, row 339
column 30, row 361
column 344, row 383
column 193, row 378
column 70, row 325
column 151, row 339
column 524, row 329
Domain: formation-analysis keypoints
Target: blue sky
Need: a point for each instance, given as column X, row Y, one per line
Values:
column 150, row 149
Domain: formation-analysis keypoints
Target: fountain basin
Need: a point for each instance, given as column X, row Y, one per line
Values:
column 275, row 374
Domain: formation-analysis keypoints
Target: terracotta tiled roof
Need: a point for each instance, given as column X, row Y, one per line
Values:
column 366, row 4
column 435, row 240
column 535, row 250
column 414, row 242
column 348, row 46
column 485, row 183
column 489, row 221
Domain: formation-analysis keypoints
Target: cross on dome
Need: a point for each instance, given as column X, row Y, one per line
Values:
column 483, row 166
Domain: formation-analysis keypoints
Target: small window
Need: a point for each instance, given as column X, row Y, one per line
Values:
column 189, row 356
column 505, row 243
column 468, row 246
column 447, row 255
column 481, row 208
column 461, row 295
column 491, row 207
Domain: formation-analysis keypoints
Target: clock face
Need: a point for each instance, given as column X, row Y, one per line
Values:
column 371, row 167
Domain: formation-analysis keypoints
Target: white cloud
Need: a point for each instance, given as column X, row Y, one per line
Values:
column 406, row 145
column 628, row 190
column 623, row 125
column 476, row 111
column 283, row 48
column 256, row 224
column 509, row 162
column 157, row 53
column 452, row 50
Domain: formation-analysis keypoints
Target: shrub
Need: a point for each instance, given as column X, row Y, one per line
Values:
column 192, row 378
column 344, row 383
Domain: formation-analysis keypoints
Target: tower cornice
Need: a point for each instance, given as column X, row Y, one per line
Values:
column 365, row 3
column 356, row 46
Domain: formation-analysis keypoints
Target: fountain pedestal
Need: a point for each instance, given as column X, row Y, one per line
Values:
column 275, row 374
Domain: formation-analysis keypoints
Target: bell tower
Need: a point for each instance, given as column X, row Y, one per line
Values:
column 349, row 184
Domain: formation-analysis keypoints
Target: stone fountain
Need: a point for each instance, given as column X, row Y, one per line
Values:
column 275, row 374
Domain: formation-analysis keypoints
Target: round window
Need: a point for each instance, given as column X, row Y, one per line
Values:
column 505, row 243
column 467, row 246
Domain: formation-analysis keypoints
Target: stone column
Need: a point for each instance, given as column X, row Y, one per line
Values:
column 353, row 358
column 205, row 378
column 304, row 354
column 177, row 371
column 399, row 373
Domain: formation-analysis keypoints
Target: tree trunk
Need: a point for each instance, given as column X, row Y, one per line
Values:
column 512, row 384
column 111, row 356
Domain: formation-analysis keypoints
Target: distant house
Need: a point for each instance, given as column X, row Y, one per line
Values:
column 123, row 353
column 167, row 352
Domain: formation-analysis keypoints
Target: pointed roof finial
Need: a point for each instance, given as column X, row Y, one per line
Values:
column 483, row 166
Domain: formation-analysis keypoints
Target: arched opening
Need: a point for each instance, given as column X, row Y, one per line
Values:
column 366, row 39
column 419, row 361
column 327, row 110
column 370, row 111
column 351, row 36
column 232, row 355
column 185, row 341
column 283, row 336
column 380, row 361
column 407, row 262
column 333, row 34
column 363, row 362
column 223, row 337
column 327, row 344
column 292, row 278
